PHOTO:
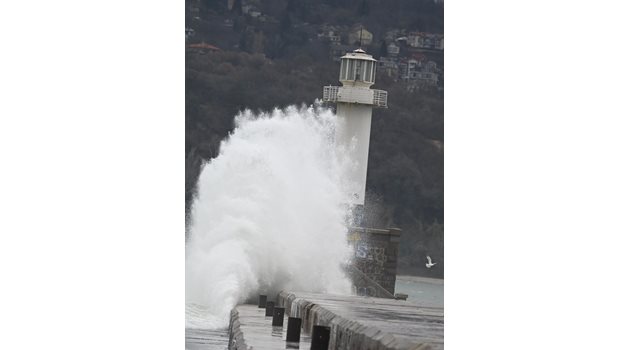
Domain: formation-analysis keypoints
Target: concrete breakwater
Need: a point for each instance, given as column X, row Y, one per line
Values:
column 355, row 323
column 206, row 339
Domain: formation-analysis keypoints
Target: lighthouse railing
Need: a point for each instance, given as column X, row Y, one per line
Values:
column 376, row 98
column 380, row 98
column 330, row 93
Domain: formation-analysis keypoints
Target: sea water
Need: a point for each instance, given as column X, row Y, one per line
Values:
column 269, row 215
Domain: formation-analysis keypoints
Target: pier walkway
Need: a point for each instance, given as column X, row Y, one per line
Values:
column 251, row 329
column 355, row 323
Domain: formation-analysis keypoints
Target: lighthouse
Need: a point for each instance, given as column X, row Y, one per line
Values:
column 355, row 101
column 373, row 269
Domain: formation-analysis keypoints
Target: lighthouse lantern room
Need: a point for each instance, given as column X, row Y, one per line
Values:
column 357, row 68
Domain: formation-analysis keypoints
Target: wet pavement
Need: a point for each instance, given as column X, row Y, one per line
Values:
column 259, row 334
column 419, row 320
column 408, row 323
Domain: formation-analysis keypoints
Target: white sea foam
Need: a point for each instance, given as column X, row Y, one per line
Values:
column 269, row 215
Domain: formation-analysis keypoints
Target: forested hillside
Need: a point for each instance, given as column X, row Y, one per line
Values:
column 279, row 62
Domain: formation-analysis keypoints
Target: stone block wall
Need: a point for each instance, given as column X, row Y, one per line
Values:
column 376, row 256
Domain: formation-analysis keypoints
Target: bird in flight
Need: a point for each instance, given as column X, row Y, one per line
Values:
column 429, row 264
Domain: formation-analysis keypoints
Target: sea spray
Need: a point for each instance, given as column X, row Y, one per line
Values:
column 269, row 215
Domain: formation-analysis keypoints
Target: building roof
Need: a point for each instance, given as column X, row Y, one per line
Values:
column 418, row 56
column 203, row 45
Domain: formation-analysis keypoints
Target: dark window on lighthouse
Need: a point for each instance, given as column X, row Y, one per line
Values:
column 357, row 75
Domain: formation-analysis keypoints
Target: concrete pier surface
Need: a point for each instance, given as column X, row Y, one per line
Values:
column 355, row 323
column 369, row 323
column 251, row 329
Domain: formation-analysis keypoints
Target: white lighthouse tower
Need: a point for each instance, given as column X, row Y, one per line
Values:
column 355, row 101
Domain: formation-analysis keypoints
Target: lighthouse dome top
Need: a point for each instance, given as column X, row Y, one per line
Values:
column 357, row 69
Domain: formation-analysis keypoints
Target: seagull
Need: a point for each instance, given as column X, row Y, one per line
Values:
column 429, row 264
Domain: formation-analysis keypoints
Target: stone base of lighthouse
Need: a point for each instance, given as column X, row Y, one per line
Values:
column 374, row 263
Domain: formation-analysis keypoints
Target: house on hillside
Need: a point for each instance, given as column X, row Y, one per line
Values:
column 408, row 69
column 419, row 72
column 415, row 39
column 358, row 32
column 389, row 66
column 401, row 41
column 331, row 34
column 393, row 50
column 424, row 40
